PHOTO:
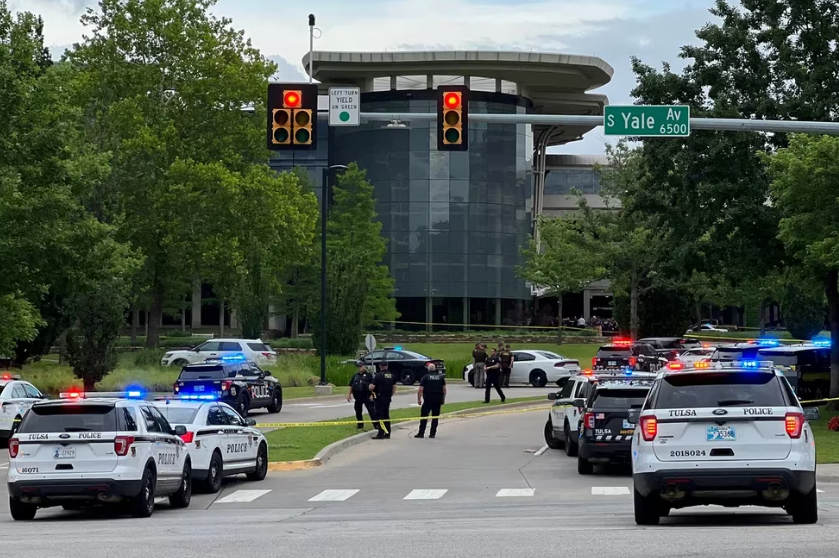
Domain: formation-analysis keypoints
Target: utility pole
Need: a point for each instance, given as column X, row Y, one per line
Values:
column 311, row 43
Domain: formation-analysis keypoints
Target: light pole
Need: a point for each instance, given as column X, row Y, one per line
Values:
column 324, row 212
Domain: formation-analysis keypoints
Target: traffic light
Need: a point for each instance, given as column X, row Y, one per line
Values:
column 292, row 116
column 452, row 118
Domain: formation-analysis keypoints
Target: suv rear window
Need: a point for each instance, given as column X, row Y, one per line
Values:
column 619, row 398
column 209, row 372
column 720, row 389
column 259, row 347
column 178, row 415
column 618, row 352
column 70, row 418
column 735, row 354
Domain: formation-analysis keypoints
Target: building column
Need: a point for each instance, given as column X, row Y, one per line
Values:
column 429, row 313
column 499, row 85
column 196, row 304
column 466, row 313
column 587, row 304
column 498, row 311
column 429, row 82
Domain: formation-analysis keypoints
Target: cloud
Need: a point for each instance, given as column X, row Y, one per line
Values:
column 286, row 71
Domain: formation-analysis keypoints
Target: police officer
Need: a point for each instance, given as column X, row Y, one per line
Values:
column 360, row 391
column 494, row 377
column 431, row 396
column 384, row 386
column 505, row 355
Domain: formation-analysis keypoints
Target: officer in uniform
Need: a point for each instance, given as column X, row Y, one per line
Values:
column 384, row 386
column 360, row 391
column 431, row 396
column 493, row 377
column 505, row 355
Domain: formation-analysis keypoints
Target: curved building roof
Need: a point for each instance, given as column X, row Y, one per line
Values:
column 555, row 83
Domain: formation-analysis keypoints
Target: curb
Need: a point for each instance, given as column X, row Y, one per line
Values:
column 827, row 478
column 335, row 448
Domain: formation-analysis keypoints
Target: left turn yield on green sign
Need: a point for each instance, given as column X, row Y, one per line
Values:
column 344, row 106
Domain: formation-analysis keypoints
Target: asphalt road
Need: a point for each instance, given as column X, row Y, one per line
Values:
column 481, row 488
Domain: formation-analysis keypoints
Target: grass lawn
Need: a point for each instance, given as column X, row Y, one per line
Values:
column 296, row 443
column 827, row 441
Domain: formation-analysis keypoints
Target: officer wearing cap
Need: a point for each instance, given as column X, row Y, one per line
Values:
column 360, row 391
column 431, row 396
column 384, row 386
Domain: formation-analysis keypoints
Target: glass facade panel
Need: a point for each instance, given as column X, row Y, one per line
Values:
column 563, row 181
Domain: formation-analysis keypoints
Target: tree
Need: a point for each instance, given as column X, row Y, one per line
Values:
column 805, row 186
column 803, row 309
column 567, row 260
column 164, row 84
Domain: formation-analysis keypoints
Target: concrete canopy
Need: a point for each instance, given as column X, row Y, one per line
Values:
column 555, row 83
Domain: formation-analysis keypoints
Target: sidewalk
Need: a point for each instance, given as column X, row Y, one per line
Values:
column 827, row 473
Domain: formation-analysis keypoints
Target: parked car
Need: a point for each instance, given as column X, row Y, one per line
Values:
column 535, row 367
column 696, row 354
column 408, row 366
column 670, row 347
column 255, row 350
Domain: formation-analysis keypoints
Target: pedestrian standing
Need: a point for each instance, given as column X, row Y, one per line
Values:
column 360, row 391
column 493, row 377
column 431, row 396
column 479, row 365
column 505, row 355
column 384, row 386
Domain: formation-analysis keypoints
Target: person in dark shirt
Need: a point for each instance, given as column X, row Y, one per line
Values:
column 384, row 386
column 360, row 391
column 431, row 396
column 493, row 372
column 505, row 355
column 479, row 366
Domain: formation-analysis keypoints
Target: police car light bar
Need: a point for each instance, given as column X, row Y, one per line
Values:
column 238, row 357
column 767, row 342
column 193, row 397
column 621, row 341
column 821, row 342
column 78, row 394
column 6, row 377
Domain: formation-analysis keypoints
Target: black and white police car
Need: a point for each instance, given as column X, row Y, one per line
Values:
column 108, row 448
column 221, row 443
column 16, row 396
column 723, row 433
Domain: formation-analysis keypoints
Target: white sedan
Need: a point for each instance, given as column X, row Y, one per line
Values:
column 696, row 354
column 535, row 367
column 220, row 442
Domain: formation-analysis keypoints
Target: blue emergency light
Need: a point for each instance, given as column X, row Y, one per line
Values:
column 238, row 357
column 749, row 364
column 397, row 348
column 821, row 342
column 192, row 397
column 767, row 342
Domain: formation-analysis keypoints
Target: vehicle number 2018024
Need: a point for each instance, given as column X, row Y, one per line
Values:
column 687, row 453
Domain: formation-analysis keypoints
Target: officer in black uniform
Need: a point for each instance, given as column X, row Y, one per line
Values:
column 494, row 377
column 384, row 386
column 431, row 396
column 360, row 391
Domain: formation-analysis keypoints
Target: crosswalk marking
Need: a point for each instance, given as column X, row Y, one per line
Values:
column 333, row 496
column 609, row 490
column 515, row 492
column 426, row 494
column 242, row 496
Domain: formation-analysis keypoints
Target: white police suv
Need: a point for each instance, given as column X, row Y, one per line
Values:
column 16, row 396
column 724, row 433
column 81, row 451
column 221, row 443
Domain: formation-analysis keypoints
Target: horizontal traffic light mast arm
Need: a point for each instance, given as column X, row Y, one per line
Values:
column 722, row 124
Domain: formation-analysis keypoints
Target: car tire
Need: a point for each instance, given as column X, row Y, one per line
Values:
column 243, row 404
column 647, row 509
column 21, row 511
column 276, row 402
column 215, row 474
column 584, row 466
column 261, row 464
column 407, row 378
column 550, row 439
column 180, row 363
column 143, row 504
column 471, row 378
column 538, row 378
column 805, row 508
column 183, row 496
column 570, row 444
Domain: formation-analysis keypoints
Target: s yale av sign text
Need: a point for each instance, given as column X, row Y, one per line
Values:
column 669, row 121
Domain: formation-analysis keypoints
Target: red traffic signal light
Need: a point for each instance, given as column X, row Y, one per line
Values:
column 452, row 100
column 292, row 116
column 452, row 118
column 291, row 99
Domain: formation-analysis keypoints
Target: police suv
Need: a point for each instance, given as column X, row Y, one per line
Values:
column 220, row 442
column 232, row 379
column 16, row 397
column 79, row 451
column 724, row 433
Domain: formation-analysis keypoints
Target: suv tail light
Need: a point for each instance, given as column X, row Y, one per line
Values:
column 794, row 423
column 14, row 447
column 121, row 445
column 594, row 362
column 632, row 361
column 187, row 438
column 175, row 387
column 649, row 428
column 226, row 385
column 588, row 420
column 268, row 355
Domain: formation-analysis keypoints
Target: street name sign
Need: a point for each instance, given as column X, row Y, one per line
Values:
column 649, row 121
column 344, row 103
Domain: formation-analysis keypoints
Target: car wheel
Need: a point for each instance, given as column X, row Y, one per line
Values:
column 215, row 473
column 550, row 439
column 471, row 377
column 180, row 363
column 183, row 496
column 805, row 508
column 584, row 466
column 143, row 504
column 538, row 379
column 276, row 402
column 407, row 377
column 22, row 511
column 261, row 464
column 243, row 404
column 570, row 444
column 647, row 509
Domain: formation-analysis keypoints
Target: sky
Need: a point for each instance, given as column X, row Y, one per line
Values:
column 614, row 30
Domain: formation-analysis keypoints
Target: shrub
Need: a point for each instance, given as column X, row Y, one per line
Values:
column 833, row 424
column 148, row 357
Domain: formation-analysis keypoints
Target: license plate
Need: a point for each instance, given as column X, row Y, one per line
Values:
column 627, row 424
column 65, row 453
column 720, row 433
column 612, row 363
column 199, row 388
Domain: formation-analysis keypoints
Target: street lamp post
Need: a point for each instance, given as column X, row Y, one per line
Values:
column 324, row 203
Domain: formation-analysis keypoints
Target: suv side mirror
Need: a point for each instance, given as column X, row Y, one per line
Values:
column 250, row 422
column 266, row 372
column 552, row 396
column 632, row 416
column 562, row 381
column 812, row 413
column 180, row 430
column 579, row 403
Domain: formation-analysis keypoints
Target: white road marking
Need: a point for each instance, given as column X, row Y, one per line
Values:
column 426, row 494
column 160, row 499
column 242, row 496
column 333, row 496
column 609, row 490
column 515, row 492
column 542, row 450
column 819, row 490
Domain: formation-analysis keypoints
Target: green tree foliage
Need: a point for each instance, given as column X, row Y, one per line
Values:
column 803, row 309
column 20, row 322
column 566, row 259
column 164, row 84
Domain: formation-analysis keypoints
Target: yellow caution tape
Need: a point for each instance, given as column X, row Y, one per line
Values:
column 820, row 400
column 354, row 422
